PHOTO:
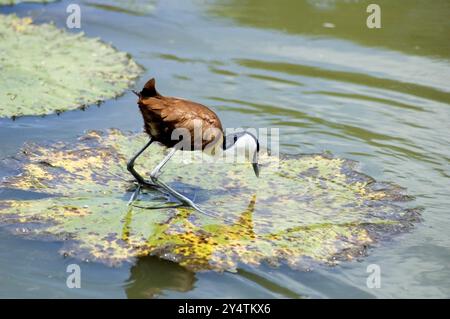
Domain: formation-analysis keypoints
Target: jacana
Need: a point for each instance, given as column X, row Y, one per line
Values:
column 165, row 117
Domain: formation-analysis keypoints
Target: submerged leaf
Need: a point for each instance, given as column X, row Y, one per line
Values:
column 302, row 210
column 46, row 70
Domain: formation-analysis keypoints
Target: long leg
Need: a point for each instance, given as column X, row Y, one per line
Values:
column 154, row 177
column 130, row 165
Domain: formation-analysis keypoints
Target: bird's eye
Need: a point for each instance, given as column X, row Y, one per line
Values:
column 235, row 138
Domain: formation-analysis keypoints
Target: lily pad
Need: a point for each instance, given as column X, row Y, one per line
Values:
column 303, row 210
column 47, row 70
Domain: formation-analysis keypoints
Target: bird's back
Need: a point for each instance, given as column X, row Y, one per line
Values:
column 164, row 115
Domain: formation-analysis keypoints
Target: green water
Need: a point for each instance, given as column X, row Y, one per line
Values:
column 312, row 69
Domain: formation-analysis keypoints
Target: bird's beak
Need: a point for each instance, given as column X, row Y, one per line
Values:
column 256, row 169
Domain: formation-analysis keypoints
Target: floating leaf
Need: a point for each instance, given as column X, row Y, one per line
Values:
column 46, row 70
column 302, row 210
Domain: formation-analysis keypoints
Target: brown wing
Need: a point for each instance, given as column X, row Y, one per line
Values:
column 162, row 115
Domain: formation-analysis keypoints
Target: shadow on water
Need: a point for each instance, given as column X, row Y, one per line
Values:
column 151, row 277
column 17, row 194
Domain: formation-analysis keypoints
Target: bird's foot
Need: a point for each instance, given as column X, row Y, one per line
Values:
column 147, row 184
column 139, row 186
column 135, row 195
column 143, row 183
column 155, row 175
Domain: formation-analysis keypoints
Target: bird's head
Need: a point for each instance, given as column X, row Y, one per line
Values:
column 149, row 90
column 245, row 145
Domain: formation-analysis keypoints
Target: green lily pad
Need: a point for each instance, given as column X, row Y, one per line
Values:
column 11, row 2
column 303, row 210
column 47, row 70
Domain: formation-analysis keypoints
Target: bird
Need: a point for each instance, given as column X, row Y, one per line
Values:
column 166, row 119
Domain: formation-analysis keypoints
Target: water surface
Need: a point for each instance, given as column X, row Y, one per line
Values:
column 310, row 68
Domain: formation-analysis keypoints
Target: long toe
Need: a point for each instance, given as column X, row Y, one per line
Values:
column 149, row 184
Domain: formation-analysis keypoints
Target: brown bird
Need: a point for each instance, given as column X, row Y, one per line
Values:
column 166, row 119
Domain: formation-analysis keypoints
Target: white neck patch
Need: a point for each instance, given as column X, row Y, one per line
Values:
column 242, row 150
